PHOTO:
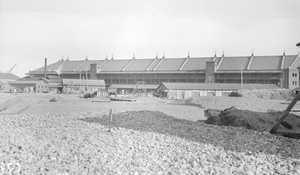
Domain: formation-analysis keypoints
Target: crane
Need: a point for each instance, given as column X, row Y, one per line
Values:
column 12, row 68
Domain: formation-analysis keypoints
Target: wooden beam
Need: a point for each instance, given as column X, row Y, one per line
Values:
column 285, row 113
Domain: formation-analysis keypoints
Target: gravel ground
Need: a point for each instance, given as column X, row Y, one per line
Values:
column 140, row 143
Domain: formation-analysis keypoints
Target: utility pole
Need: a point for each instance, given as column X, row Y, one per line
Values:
column 242, row 79
column 86, row 77
column 80, row 83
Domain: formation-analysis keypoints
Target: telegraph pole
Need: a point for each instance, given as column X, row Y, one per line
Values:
column 242, row 79
column 86, row 77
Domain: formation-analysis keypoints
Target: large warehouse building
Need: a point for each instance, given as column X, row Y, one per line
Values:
column 281, row 70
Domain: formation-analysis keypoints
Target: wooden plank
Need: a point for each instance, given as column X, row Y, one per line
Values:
column 110, row 119
column 285, row 113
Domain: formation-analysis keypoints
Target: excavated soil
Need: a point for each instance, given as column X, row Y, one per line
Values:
column 259, row 121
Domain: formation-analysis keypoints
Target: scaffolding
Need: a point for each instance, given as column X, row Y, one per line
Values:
column 140, row 85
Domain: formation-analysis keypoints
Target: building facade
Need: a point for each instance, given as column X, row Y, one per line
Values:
column 187, row 90
column 27, row 86
column 281, row 70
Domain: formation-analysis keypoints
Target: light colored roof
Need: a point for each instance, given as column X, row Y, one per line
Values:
column 289, row 59
column 258, row 63
column 51, row 67
column 214, row 86
column 115, row 65
column 196, row 64
column 87, row 63
column 139, row 65
column 131, row 86
column 170, row 64
column 153, row 64
column 27, row 82
column 77, row 82
column 266, row 63
column 8, row 76
column 71, row 65
column 234, row 63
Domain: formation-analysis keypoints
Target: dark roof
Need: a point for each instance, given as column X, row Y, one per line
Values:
column 249, row 63
column 213, row 86
column 8, row 76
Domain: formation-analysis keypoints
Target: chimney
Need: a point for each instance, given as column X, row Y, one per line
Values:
column 45, row 69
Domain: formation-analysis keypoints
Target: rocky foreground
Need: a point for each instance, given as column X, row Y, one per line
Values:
column 140, row 143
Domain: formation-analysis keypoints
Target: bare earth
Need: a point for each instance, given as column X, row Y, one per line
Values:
column 149, row 136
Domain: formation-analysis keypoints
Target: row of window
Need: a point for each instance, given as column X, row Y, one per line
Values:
column 294, row 74
column 42, row 87
column 133, row 76
column 294, row 82
column 152, row 81
column 249, row 81
column 254, row 75
column 175, row 75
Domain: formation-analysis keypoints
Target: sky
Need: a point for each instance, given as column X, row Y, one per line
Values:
column 32, row 30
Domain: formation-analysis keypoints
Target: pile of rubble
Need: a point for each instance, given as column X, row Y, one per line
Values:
column 141, row 142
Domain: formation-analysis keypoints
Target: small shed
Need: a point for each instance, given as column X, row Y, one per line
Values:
column 185, row 90
column 26, row 85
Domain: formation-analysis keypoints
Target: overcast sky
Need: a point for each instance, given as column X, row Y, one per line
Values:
column 31, row 30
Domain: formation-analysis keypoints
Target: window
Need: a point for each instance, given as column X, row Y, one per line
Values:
column 294, row 82
column 294, row 74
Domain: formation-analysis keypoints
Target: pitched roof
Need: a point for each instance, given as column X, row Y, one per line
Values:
column 115, row 65
column 8, row 76
column 71, row 65
column 213, row 86
column 171, row 64
column 139, row 65
column 234, row 63
column 85, row 66
column 196, row 63
column 51, row 67
column 289, row 59
column 258, row 63
column 266, row 63
column 153, row 64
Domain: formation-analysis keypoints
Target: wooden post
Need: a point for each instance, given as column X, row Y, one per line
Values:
column 285, row 113
column 110, row 119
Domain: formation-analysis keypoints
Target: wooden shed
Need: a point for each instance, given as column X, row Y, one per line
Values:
column 185, row 90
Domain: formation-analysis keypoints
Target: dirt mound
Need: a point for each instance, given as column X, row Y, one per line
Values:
column 272, row 94
column 260, row 121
